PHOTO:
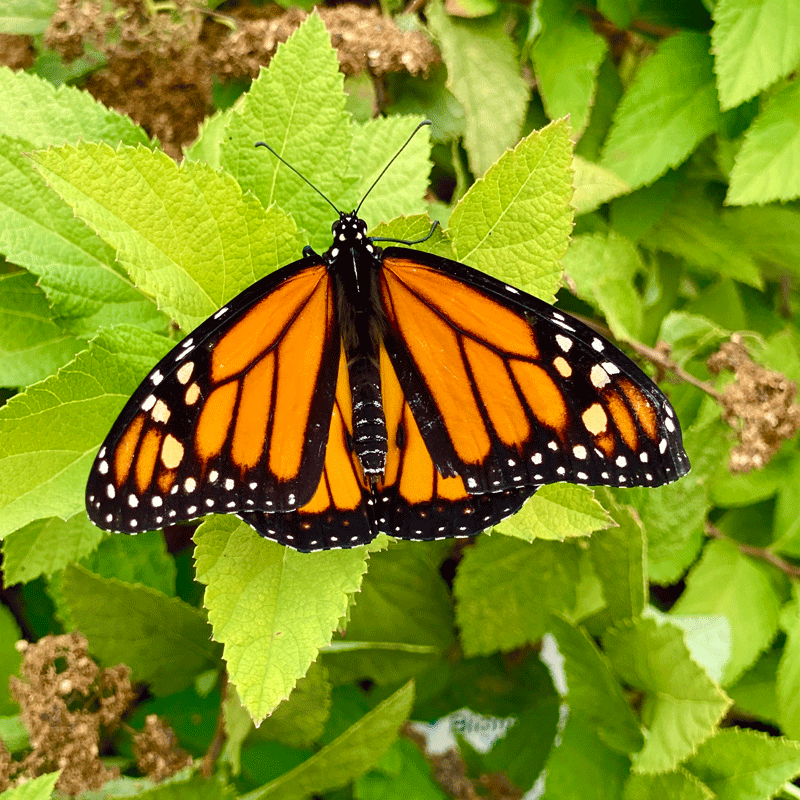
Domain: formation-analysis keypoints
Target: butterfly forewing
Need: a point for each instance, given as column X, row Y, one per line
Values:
column 226, row 421
column 510, row 392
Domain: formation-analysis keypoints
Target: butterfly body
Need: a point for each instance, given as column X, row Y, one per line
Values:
column 365, row 390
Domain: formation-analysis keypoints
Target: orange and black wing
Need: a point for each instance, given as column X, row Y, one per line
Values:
column 508, row 392
column 236, row 417
column 339, row 514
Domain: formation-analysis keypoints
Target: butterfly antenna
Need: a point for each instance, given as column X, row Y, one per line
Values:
column 303, row 177
column 383, row 172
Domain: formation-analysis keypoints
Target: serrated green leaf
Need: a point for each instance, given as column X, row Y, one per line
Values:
column 297, row 107
column 619, row 559
column 679, row 785
column 754, row 45
column 755, row 692
column 707, row 637
column 684, row 705
column 594, row 185
column 299, row 721
column 348, row 756
column 515, row 222
column 404, row 601
column 46, row 546
column 745, row 765
column 40, row 788
column 186, row 233
column 483, row 73
column 506, row 590
column 34, row 345
column 558, row 511
column 691, row 228
column 593, row 693
column 604, row 269
column 271, row 607
column 566, row 56
column 764, row 169
column 668, row 110
column 76, row 269
column 51, row 116
column 164, row 641
column 402, row 188
column 50, row 432
column 727, row 583
column 691, row 335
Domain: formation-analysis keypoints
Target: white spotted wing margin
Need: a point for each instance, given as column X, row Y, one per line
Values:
column 185, row 444
column 519, row 393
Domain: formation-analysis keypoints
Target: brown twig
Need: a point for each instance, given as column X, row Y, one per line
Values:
column 760, row 553
column 662, row 360
column 220, row 734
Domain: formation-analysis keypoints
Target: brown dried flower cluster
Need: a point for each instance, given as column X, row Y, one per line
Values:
column 156, row 748
column 160, row 63
column 759, row 404
column 66, row 699
column 366, row 41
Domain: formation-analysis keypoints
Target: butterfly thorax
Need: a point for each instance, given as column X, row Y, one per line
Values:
column 354, row 262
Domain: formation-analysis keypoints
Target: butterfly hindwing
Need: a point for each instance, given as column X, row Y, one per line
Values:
column 509, row 392
column 225, row 421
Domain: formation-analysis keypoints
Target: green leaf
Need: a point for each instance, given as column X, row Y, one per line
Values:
column 401, row 774
column 594, row 185
column 787, row 686
column 692, row 228
column 754, row 45
column 620, row 12
column 142, row 558
column 186, row 234
column 483, row 73
column 515, row 222
column 51, row 116
column 566, row 56
column 619, row 559
column 40, row 788
column 593, row 693
column 745, row 765
column 679, row 785
column 506, row 590
column 765, row 166
column 300, row 720
column 604, row 269
column 297, row 106
column 34, row 345
column 558, row 511
column 771, row 234
column 403, row 601
column 668, row 110
column 673, row 516
column 10, row 657
column 51, row 431
column 347, row 756
column 76, row 269
column 164, row 641
column 727, row 583
column 197, row 787
column 570, row 774
column 683, row 705
column 46, row 546
column 271, row 607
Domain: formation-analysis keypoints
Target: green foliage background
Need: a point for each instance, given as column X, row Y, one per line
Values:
column 681, row 201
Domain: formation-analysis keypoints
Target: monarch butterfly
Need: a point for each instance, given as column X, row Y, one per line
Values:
column 370, row 390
